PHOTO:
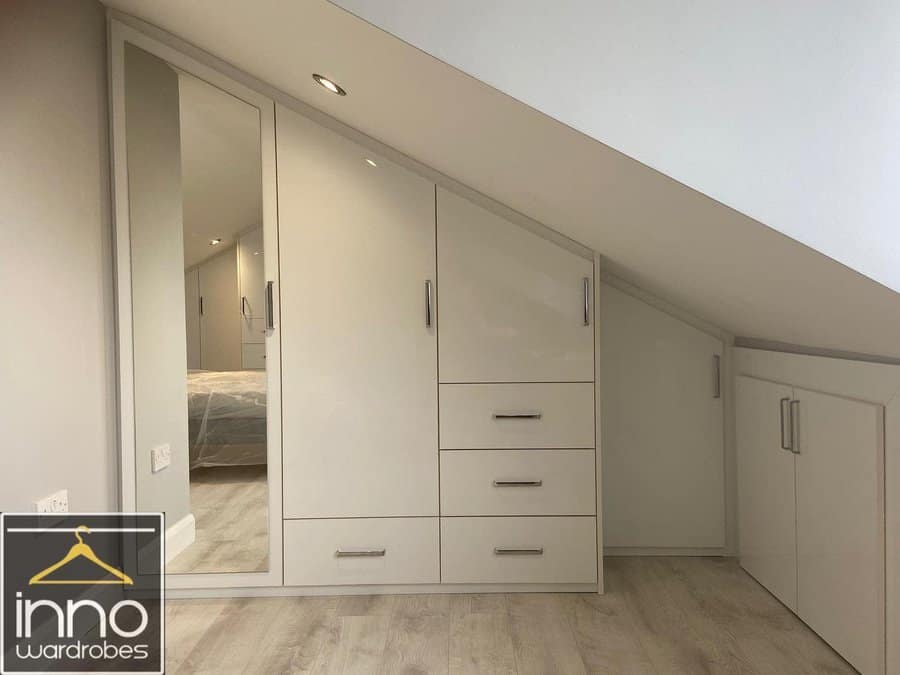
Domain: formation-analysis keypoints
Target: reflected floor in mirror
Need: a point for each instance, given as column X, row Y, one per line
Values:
column 229, row 505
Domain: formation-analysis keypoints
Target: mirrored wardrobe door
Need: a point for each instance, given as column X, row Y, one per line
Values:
column 200, row 223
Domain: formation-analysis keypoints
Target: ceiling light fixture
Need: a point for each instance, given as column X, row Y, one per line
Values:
column 330, row 85
column 370, row 162
column 215, row 242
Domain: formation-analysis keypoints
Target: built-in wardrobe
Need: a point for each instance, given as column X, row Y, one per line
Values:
column 433, row 410
column 437, row 381
column 811, row 446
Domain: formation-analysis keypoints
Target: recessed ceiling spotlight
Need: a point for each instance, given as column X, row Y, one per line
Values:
column 215, row 242
column 370, row 162
column 330, row 85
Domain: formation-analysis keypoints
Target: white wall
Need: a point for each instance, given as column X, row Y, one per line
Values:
column 157, row 281
column 787, row 111
column 57, row 385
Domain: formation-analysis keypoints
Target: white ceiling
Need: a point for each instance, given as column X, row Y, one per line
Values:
column 220, row 167
column 660, row 235
column 787, row 111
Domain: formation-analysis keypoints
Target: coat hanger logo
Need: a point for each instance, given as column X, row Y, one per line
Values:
column 81, row 550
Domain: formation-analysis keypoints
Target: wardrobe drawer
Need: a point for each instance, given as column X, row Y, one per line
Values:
column 518, row 483
column 519, row 550
column 481, row 416
column 345, row 551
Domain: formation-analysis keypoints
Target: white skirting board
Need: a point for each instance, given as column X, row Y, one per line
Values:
column 179, row 536
column 410, row 589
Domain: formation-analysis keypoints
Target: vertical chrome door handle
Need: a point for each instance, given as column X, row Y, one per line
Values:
column 270, row 305
column 786, row 434
column 201, row 305
column 586, row 287
column 244, row 306
column 717, row 374
column 429, row 304
column 795, row 427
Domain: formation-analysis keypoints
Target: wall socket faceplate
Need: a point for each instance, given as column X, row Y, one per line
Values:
column 160, row 457
column 58, row 502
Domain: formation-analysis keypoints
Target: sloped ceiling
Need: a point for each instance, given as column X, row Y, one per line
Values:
column 787, row 111
column 656, row 233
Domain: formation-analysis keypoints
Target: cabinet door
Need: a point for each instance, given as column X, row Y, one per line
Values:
column 512, row 304
column 359, row 361
column 192, row 317
column 662, row 436
column 252, row 274
column 220, row 321
column 840, row 520
column 766, row 493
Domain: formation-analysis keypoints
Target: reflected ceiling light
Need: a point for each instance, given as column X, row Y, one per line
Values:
column 331, row 86
column 215, row 242
column 370, row 162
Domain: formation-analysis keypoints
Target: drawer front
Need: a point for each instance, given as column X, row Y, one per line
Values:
column 518, row 483
column 483, row 416
column 352, row 551
column 519, row 550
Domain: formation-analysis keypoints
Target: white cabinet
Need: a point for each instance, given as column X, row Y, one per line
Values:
column 220, row 319
column 662, row 430
column 251, row 276
column 513, row 307
column 251, row 271
column 766, row 492
column 811, row 500
column 359, row 358
column 840, row 521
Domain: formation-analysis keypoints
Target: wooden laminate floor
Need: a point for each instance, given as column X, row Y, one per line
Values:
column 230, row 507
column 659, row 615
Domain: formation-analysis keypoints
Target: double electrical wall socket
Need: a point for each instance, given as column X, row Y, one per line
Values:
column 58, row 502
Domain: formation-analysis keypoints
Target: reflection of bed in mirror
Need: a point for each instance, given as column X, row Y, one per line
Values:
column 226, row 418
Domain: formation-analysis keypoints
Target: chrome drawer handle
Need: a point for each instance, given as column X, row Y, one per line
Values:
column 524, row 415
column 518, row 483
column 360, row 553
column 507, row 550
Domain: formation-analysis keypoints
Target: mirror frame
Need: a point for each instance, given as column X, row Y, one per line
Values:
column 120, row 34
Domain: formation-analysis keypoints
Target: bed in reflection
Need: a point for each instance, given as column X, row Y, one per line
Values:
column 226, row 418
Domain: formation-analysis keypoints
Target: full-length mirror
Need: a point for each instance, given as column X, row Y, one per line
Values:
column 198, row 316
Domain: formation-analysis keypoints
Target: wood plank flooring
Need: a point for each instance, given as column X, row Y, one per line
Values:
column 668, row 616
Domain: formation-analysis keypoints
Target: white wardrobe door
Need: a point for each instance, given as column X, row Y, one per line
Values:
column 840, row 520
column 192, row 317
column 512, row 304
column 662, row 431
column 766, row 495
column 220, row 323
column 252, row 274
column 359, row 362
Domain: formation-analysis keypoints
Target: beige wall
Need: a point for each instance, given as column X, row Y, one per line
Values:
column 57, row 356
